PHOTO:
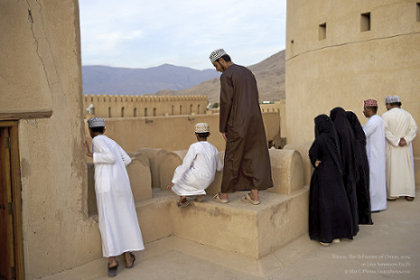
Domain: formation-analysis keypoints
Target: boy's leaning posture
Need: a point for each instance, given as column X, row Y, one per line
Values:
column 118, row 224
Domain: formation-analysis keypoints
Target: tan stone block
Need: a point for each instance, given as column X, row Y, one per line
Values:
column 155, row 157
column 226, row 227
column 168, row 165
column 245, row 229
column 281, row 223
column 140, row 177
column 303, row 150
column 154, row 216
column 287, row 171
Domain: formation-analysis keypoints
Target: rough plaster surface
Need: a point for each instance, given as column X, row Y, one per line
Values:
column 27, row 58
column 350, row 66
column 40, row 72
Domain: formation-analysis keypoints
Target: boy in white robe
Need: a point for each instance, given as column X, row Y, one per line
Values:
column 198, row 168
column 117, row 218
column 375, row 149
column 400, row 131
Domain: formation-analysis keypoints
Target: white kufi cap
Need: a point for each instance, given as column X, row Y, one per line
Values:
column 96, row 122
column 215, row 55
column 392, row 99
column 201, row 128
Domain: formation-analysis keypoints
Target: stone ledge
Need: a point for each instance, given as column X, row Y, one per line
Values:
column 238, row 227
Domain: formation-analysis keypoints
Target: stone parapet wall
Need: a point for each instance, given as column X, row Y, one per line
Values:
column 173, row 132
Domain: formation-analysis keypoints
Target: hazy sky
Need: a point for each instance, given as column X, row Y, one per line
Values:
column 142, row 34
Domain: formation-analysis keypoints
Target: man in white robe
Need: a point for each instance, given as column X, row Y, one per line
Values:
column 375, row 149
column 400, row 130
column 118, row 224
column 198, row 168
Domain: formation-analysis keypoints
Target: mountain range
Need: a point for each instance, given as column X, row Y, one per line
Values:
column 175, row 80
column 135, row 81
column 269, row 73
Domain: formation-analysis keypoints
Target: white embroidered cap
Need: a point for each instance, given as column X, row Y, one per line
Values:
column 392, row 99
column 201, row 128
column 96, row 122
column 215, row 55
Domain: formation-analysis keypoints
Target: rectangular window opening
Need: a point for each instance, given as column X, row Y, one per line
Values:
column 365, row 22
column 322, row 31
column 418, row 11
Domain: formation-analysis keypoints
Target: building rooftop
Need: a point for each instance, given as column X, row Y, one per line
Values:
column 389, row 249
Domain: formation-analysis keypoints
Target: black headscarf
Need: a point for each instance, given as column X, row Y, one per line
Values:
column 362, row 170
column 344, row 131
column 359, row 134
column 324, row 126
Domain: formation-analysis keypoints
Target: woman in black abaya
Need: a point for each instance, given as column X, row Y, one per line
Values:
column 330, row 217
column 347, row 153
column 362, row 170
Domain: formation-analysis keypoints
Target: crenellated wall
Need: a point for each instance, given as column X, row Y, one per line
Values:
column 122, row 106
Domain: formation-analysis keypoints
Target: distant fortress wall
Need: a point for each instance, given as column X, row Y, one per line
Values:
column 122, row 106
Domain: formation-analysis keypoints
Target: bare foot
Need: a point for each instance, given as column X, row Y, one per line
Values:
column 129, row 259
column 112, row 262
column 255, row 195
column 169, row 187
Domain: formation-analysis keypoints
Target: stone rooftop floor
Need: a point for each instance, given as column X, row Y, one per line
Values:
column 389, row 249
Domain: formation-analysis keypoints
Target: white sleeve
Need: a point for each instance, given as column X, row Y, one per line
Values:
column 412, row 132
column 101, row 153
column 369, row 128
column 124, row 156
column 186, row 164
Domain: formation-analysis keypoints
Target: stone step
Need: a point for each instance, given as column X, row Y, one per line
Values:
column 239, row 227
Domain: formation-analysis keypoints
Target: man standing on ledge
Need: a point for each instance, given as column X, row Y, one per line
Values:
column 247, row 163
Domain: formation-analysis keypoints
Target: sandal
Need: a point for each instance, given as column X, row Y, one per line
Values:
column 183, row 203
column 133, row 259
column 112, row 271
column 220, row 200
column 247, row 198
